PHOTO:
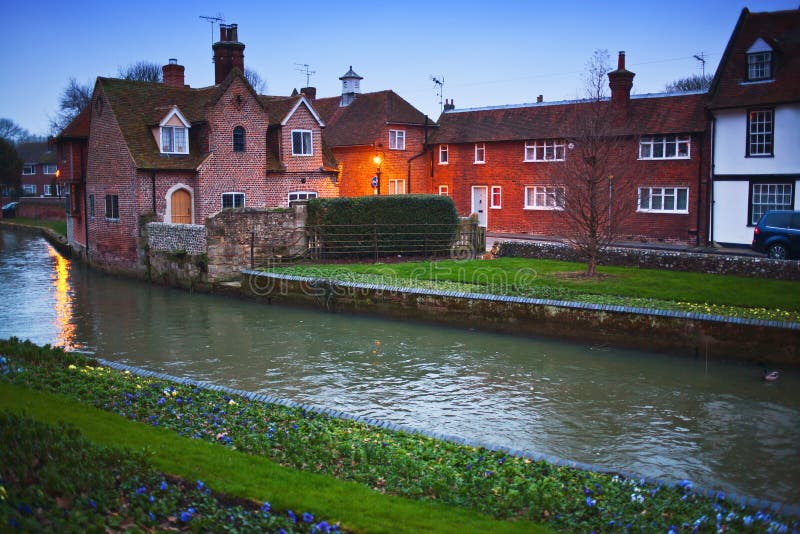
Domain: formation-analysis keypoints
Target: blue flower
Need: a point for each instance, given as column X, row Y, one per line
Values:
column 200, row 485
column 685, row 484
column 307, row 518
column 266, row 507
column 590, row 502
column 501, row 461
column 163, row 486
column 162, row 401
column 140, row 490
column 292, row 517
column 747, row 520
column 322, row 526
column 152, row 516
column 187, row 515
column 92, row 503
column 24, row 509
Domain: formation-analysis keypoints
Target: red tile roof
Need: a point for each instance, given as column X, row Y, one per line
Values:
column 365, row 119
column 79, row 127
column 646, row 114
column 781, row 30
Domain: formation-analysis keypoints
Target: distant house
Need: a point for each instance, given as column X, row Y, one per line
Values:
column 176, row 154
column 360, row 127
column 38, row 169
column 506, row 164
column 755, row 104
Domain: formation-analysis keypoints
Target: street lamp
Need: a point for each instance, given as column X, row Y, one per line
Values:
column 376, row 180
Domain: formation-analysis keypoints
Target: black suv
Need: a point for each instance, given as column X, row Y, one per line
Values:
column 778, row 234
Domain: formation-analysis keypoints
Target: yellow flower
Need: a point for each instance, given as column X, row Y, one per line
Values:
column 71, row 367
column 175, row 394
column 232, row 402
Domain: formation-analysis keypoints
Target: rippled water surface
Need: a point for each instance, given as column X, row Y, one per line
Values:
column 718, row 425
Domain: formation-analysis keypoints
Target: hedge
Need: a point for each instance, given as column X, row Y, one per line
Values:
column 381, row 226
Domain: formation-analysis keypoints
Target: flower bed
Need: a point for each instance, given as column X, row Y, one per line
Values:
column 399, row 463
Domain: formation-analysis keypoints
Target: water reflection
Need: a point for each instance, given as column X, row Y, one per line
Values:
column 672, row 418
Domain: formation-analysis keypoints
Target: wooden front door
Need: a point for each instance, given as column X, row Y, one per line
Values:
column 181, row 207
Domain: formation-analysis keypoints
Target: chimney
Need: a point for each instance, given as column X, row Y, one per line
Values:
column 228, row 52
column 620, row 81
column 310, row 92
column 173, row 73
column 540, row 99
column 449, row 105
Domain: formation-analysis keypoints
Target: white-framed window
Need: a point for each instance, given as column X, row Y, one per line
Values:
column 496, row 199
column 663, row 200
column 30, row 189
column 397, row 187
column 480, row 152
column 295, row 196
column 759, row 66
column 48, row 190
column 49, row 169
column 232, row 200
column 28, row 169
column 544, row 197
column 444, row 190
column 760, row 128
column 174, row 140
column 545, row 150
column 664, row 147
column 91, row 206
column 302, row 143
column 444, row 155
column 112, row 207
column 767, row 197
column 397, row 139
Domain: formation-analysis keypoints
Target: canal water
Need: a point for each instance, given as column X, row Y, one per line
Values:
column 718, row 425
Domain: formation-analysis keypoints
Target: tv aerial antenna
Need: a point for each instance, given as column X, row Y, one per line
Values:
column 305, row 70
column 219, row 19
column 438, row 86
column 701, row 57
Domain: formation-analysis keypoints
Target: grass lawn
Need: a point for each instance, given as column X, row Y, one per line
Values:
column 662, row 289
column 59, row 227
column 255, row 478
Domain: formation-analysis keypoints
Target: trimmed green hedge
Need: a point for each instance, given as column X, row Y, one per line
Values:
column 381, row 226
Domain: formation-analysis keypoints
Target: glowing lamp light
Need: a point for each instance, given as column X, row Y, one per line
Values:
column 377, row 160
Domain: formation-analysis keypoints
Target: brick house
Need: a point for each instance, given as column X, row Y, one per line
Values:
column 362, row 126
column 38, row 169
column 71, row 155
column 178, row 154
column 755, row 105
column 507, row 163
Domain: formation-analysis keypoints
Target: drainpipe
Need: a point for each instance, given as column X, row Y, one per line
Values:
column 86, row 217
column 153, row 182
column 711, row 181
column 699, row 191
column 412, row 158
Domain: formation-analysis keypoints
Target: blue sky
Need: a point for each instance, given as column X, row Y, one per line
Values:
column 489, row 53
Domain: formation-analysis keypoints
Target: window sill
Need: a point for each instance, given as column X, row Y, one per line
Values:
column 664, row 212
column 759, row 156
column 667, row 159
column 543, row 160
column 495, row 207
column 532, row 208
column 443, row 163
column 303, row 155
column 479, row 163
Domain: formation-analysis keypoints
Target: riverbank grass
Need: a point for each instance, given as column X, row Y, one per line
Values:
column 725, row 295
column 233, row 444
column 59, row 227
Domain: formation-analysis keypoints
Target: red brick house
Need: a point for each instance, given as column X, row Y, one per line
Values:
column 71, row 155
column 38, row 169
column 178, row 154
column 362, row 126
column 507, row 163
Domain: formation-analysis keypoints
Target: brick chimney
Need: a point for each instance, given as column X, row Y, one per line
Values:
column 540, row 99
column 310, row 92
column 228, row 52
column 449, row 105
column 620, row 81
column 173, row 73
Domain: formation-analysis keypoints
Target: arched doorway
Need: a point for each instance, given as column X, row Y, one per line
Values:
column 181, row 207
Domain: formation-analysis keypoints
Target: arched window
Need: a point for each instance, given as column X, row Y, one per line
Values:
column 238, row 139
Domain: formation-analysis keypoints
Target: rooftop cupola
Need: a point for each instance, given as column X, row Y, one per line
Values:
column 228, row 52
column 351, row 86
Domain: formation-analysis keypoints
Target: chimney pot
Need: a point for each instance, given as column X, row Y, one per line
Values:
column 620, row 81
column 173, row 73
column 228, row 52
column 310, row 92
column 540, row 98
column 173, row 61
column 621, row 60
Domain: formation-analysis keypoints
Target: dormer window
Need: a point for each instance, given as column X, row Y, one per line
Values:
column 174, row 133
column 759, row 61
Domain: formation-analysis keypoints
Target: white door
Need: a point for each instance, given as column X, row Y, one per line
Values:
column 480, row 194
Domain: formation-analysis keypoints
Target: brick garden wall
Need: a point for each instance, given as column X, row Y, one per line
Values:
column 41, row 208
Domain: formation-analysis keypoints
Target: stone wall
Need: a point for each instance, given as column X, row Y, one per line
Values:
column 714, row 263
column 688, row 334
column 185, row 238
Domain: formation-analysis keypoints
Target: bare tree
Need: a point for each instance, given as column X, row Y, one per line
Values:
column 594, row 188
column 143, row 71
column 690, row 83
column 11, row 131
column 10, row 165
column 73, row 99
column 258, row 83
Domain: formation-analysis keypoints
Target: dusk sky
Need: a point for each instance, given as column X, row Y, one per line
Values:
column 489, row 53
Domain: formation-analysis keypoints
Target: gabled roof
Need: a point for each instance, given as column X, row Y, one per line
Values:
column 281, row 108
column 780, row 30
column 366, row 118
column 36, row 152
column 79, row 127
column 645, row 114
column 140, row 106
